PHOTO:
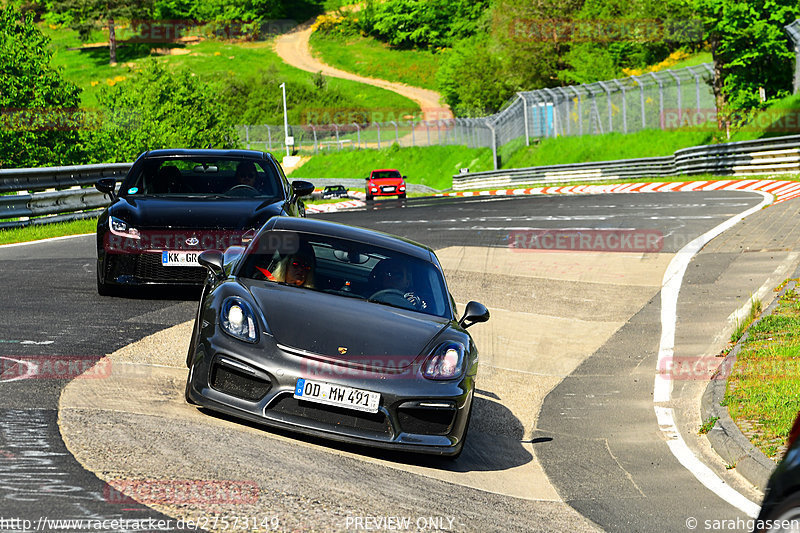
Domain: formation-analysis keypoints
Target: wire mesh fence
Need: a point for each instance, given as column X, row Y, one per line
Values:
column 656, row 100
column 793, row 30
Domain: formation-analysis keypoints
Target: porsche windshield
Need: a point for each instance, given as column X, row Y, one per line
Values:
column 348, row 269
column 204, row 177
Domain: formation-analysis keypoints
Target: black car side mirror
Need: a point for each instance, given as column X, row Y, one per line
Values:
column 107, row 186
column 213, row 261
column 301, row 188
column 474, row 313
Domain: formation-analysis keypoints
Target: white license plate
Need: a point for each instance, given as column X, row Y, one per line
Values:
column 179, row 259
column 388, row 189
column 330, row 394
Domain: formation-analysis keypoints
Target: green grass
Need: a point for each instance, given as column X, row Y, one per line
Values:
column 369, row 57
column 46, row 231
column 763, row 391
column 695, row 59
column 433, row 166
column 211, row 60
column 607, row 147
column 782, row 117
column 755, row 309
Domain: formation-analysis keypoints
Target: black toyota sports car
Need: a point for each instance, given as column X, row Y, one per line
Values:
column 173, row 204
column 339, row 332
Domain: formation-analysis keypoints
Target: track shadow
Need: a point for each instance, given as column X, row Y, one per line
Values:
column 485, row 450
column 126, row 51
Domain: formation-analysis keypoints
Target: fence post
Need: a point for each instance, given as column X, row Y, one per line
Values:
column 428, row 129
column 525, row 118
column 624, row 106
column 680, row 102
column 396, row 133
column 494, row 144
column 378, row 125
column 641, row 100
column 269, row 137
column 608, row 106
column 413, row 141
column 358, row 135
column 247, row 136
column 338, row 144
column 580, row 109
column 314, row 130
column 660, row 99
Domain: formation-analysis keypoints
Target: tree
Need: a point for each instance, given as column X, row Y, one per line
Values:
column 750, row 51
column 86, row 15
column 157, row 108
column 39, row 108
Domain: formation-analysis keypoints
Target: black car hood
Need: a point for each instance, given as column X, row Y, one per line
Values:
column 324, row 325
column 188, row 212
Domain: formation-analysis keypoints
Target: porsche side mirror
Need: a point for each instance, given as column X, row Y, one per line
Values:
column 107, row 186
column 213, row 261
column 474, row 313
column 301, row 188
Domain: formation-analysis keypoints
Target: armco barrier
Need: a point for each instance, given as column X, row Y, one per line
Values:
column 778, row 155
column 53, row 194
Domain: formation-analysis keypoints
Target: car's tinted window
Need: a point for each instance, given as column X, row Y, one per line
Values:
column 386, row 174
column 347, row 268
column 203, row 177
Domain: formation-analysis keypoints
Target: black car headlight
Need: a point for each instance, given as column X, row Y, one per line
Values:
column 122, row 228
column 446, row 361
column 238, row 320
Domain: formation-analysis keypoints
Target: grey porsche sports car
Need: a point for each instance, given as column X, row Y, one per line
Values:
column 338, row 332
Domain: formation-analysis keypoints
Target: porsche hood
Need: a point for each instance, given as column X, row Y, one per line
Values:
column 344, row 328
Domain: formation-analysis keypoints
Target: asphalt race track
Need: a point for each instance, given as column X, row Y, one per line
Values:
column 564, row 435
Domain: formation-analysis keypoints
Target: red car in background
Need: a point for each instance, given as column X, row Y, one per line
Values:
column 386, row 182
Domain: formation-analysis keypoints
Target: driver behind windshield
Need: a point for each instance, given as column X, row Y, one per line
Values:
column 246, row 174
column 394, row 275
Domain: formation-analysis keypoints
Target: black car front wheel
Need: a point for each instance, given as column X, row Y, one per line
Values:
column 104, row 289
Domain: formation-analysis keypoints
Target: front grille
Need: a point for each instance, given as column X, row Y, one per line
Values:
column 336, row 417
column 426, row 421
column 149, row 268
column 238, row 383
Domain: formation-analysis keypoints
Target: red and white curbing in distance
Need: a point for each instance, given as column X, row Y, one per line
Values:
column 782, row 190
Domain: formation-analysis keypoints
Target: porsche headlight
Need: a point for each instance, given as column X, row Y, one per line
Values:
column 238, row 320
column 123, row 229
column 446, row 361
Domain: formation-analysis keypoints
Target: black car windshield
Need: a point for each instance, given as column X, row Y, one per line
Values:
column 203, row 177
column 348, row 269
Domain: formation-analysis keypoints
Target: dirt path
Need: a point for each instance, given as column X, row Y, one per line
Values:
column 294, row 49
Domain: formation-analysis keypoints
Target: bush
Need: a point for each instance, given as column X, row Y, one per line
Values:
column 157, row 108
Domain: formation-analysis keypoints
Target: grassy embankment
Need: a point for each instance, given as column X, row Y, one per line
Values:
column 763, row 390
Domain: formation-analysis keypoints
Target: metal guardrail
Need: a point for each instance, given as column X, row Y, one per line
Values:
column 30, row 196
column 778, row 155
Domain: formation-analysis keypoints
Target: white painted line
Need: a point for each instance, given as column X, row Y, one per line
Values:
column 662, row 388
column 40, row 241
column 703, row 473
